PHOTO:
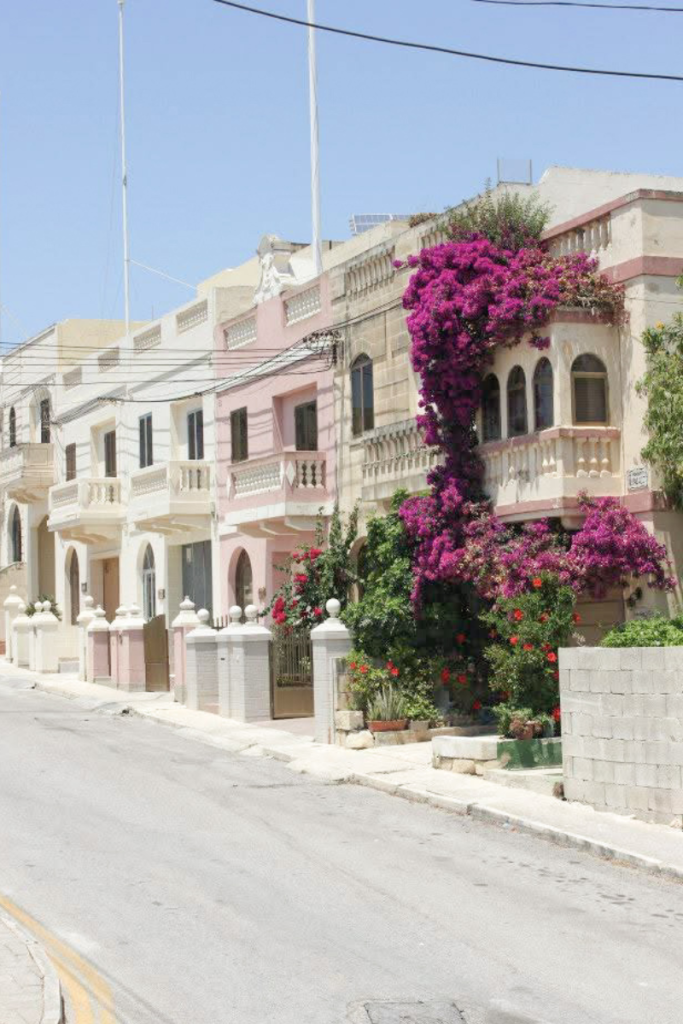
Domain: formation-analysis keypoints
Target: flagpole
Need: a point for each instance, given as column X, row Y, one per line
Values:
column 124, row 176
column 315, row 148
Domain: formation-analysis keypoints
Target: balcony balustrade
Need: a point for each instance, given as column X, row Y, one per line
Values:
column 173, row 497
column 27, row 471
column 87, row 509
column 396, row 457
column 280, row 494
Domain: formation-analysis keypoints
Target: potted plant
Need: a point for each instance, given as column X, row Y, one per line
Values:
column 386, row 711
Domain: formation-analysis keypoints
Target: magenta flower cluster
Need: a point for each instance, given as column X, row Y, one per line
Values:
column 467, row 298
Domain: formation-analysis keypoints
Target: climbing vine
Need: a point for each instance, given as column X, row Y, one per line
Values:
column 662, row 386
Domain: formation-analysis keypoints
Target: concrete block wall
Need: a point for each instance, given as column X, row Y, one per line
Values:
column 622, row 730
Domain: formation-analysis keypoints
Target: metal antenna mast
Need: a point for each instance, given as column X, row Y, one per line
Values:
column 315, row 166
column 124, row 176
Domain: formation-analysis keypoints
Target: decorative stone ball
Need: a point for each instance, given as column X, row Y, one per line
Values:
column 333, row 608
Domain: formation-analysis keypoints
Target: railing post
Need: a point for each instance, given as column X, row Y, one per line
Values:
column 201, row 682
column 183, row 624
column 21, row 629
column 98, row 649
column 84, row 620
column 46, row 625
column 11, row 606
column 225, row 697
column 248, row 665
column 331, row 642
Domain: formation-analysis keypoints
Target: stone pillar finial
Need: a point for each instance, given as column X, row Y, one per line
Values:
column 89, row 602
column 333, row 608
column 251, row 613
column 186, row 605
column 235, row 615
column 203, row 616
column 38, row 607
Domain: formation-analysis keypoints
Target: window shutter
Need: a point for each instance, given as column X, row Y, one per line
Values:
column 70, row 461
column 199, row 421
column 590, row 400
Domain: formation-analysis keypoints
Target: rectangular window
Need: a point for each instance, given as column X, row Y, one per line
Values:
column 146, row 450
column 45, row 421
column 239, row 439
column 306, row 427
column 195, row 435
column 70, row 452
column 110, row 453
column 590, row 400
column 196, row 573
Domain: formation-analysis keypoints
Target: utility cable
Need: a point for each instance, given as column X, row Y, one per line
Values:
column 430, row 48
column 578, row 3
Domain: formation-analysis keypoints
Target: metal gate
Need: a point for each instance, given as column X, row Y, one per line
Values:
column 292, row 675
column 156, row 654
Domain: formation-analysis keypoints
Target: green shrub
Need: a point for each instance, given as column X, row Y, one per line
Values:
column 656, row 631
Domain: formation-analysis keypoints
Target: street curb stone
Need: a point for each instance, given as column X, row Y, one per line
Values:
column 53, row 1007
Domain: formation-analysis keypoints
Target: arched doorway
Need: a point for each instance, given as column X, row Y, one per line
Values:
column 149, row 585
column 15, row 536
column 74, row 579
column 243, row 582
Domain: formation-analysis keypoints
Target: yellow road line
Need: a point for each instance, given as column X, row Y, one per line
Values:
column 69, row 965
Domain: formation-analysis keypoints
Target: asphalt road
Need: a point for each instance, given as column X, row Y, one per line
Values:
column 207, row 888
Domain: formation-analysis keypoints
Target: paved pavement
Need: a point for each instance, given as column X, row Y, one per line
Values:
column 29, row 989
column 200, row 886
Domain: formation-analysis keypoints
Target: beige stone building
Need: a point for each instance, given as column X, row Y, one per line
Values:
column 555, row 423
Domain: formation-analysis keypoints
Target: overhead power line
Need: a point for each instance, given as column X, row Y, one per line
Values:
column 578, row 3
column 431, row 48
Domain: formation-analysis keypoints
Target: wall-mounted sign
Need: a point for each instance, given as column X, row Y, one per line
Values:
column 637, row 479
column 161, row 594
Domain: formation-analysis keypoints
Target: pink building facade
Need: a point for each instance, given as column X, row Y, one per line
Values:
column 275, row 435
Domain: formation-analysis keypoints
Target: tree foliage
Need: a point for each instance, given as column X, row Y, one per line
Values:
column 662, row 386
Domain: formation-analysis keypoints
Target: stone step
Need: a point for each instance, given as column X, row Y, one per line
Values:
column 537, row 780
column 69, row 665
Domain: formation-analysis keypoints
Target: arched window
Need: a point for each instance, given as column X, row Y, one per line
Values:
column 589, row 390
column 490, row 408
column 44, row 421
column 362, row 396
column 15, row 536
column 149, row 585
column 543, row 395
column 74, row 588
column 12, row 428
column 243, row 582
column 517, row 418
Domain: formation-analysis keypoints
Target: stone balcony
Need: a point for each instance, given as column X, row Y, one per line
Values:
column 395, row 457
column 87, row 509
column 541, row 474
column 277, row 494
column 27, row 471
column 172, row 497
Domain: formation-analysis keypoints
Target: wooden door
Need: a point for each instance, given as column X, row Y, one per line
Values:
column 156, row 654
column 110, row 575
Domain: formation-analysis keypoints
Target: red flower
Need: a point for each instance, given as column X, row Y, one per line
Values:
column 318, row 612
column 537, row 582
column 390, row 664
column 576, row 617
column 476, row 706
column 462, row 679
column 556, row 675
column 394, row 671
column 518, row 614
column 514, row 640
column 363, row 669
column 460, row 638
column 445, row 676
column 315, row 553
column 353, row 665
column 552, row 657
column 557, row 714
column 528, row 647
column 301, row 577
column 543, row 617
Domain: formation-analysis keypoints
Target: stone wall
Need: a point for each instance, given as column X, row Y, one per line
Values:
column 622, row 729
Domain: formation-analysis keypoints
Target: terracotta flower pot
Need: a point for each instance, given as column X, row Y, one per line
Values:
column 393, row 726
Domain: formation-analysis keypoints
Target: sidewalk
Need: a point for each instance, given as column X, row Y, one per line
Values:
column 403, row 771
column 29, row 987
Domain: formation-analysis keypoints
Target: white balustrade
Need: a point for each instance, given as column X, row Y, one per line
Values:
column 241, row 334
column 594, row 237
column 109, row 359
column 370, row 273
column 192, row 317
column 303, row 305
column 148, row 339
column 87, row 493
column 310, row 473
column 300, row 471
column 395, row 452
column 257, row 479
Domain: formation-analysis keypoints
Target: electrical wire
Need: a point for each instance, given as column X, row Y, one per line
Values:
column 431, row 48
column 577, row 3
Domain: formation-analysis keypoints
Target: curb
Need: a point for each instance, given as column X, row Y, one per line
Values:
column 416, row 794
column 53, row 1004
column 493, row 816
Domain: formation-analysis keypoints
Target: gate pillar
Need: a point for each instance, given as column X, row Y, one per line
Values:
column 132, row 674
column 248, row 666
column 46, row 625
column 98, row 649
column 84, row 620
column 225, row 698
column 33, row 635
column 183, row 624
column 11, row 606
column 21, row 628
column 201, row 682
column 331, row 643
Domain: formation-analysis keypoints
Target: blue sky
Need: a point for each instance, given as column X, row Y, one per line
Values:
column 218, row 129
